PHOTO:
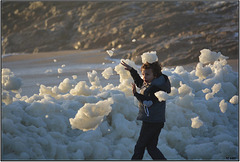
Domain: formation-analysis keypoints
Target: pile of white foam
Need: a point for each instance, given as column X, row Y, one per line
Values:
column 10, row 82
column 86, row 121
column 149, row 57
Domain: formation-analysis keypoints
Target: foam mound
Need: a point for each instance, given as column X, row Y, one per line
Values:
column 149, row 57
column 88, row 121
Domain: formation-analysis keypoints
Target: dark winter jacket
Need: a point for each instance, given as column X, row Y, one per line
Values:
column 156, row 112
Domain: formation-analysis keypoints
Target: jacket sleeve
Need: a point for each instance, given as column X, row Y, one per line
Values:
column 137, row 79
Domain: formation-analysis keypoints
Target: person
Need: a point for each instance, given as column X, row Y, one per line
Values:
column 151, row 110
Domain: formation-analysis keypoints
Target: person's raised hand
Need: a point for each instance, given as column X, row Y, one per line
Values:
column 127, row 67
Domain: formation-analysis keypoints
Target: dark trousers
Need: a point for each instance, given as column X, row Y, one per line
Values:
column 148, row 139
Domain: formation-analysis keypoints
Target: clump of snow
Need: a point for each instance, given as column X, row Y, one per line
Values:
column 149, row 57
column 88, row 121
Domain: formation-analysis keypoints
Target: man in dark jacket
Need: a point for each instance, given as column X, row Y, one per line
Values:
column 151, row 110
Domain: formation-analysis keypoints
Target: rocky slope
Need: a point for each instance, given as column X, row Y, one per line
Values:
column 176, row 30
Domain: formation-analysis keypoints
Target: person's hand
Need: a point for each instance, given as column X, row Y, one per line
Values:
column 134, row 88
column 127, row 67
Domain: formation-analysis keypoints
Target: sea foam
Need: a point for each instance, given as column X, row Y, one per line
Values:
column 78, row 121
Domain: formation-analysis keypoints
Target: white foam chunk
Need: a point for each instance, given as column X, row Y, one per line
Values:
column 161, row 95
column 91, row 115
column 66, row 85
column 107, row 72
column 93, row 78
column 110, row 52
column 234, row 100
column 208, row 56
column 60, row 70
column 223, row 106
column 202, row 72
column 9, row 80
column 196, row 122
column 149, row 57
column 74, row 77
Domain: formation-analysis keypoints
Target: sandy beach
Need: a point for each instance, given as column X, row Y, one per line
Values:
column 75, row 56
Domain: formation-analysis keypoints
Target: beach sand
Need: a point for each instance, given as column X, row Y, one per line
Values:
column 42, row 68
column 75, row 56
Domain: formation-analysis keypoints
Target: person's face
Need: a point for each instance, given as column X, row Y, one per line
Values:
column 147, row 75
